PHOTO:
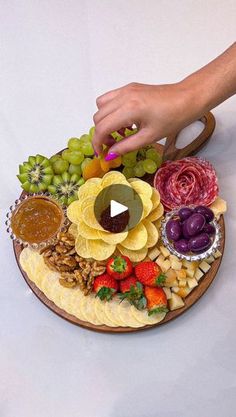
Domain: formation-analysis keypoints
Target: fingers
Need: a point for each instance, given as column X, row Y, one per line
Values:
column 106, row 109
column 131, row 143
column 114, row 121
column 105, row 98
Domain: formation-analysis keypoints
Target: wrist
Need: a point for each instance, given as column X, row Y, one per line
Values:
column 196, row 97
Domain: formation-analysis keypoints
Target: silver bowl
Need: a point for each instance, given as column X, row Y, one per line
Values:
column 192, row 257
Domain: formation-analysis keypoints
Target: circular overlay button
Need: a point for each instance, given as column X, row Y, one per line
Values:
column 118, row 208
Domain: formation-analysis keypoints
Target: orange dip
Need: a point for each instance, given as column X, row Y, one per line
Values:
column 36, row 220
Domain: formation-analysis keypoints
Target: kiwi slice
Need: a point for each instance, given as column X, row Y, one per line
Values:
column 65, row 187
column 36, row 174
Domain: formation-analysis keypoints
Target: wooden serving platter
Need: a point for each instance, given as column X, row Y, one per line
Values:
column 194, row 296
column 173, row 153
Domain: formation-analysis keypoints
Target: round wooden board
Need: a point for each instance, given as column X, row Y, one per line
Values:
column 194, row 296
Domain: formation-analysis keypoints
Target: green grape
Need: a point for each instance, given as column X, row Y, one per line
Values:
column 66, row 154
column 76, row 157
column 84, row 139
column 129, row 159
column 85, row 162
column 75, row 169
column 74, row 144
column 139, row 170
column 54, row 158
column 87, row 148
column 128, row 172
column 142, row 153
column 91, row 131
column 154, row 156
column 149, row 166
column 60, row 166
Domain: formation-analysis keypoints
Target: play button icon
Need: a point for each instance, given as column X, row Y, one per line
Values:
column 118, row 208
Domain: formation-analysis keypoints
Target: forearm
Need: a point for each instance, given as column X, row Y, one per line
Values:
column 214, row 83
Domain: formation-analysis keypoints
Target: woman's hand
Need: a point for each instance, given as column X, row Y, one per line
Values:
column 157, row 111
column 160, row 110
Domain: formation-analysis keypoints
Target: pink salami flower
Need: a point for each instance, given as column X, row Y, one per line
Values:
column 188, row 181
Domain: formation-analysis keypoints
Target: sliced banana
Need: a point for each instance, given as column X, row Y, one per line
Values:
column 87, row 307
column 99, row 307
column 143, row 318
column 111, row 311
column 124, row 314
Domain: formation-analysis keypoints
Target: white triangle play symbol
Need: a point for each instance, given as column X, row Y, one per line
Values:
column 117, row 208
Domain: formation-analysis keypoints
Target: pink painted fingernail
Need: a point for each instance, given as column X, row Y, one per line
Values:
column 111, row 156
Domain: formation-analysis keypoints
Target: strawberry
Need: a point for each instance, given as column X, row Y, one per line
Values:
column 119, row 267
column 127, row 283
column 149, row 273
column 105, row 287
column 156, row 300
column 132, row 290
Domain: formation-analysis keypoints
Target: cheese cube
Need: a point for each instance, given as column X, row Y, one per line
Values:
column 177, row 265
column 181, row 274
column 192, row 283
column 174, row 258
column 183, row 292
column 171, row 274
column 174, row 283
column 190, row 265
column 190, row 273
column 165, row 265
column 165, row 252
column 182, row 282
column 198, row 274
column 175, row 302
column 175, row 289
column 204, row 266
column 218, row 254
column 153, row 253
column 160, row 260
column 167, row 292
column 170, row 280
column 210, row 259
column 186, row 264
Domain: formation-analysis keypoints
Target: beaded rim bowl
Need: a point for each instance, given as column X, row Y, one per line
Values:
column 64, row 223
column 198, row 257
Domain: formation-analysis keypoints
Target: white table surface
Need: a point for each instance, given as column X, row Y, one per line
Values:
column 56, row 57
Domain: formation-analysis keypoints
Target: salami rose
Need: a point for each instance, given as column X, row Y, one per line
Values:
column 188, row 181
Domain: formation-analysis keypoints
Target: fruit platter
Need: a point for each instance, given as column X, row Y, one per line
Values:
column 121, row 245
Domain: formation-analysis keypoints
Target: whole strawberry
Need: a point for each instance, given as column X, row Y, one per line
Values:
column 105, row 287
column 119, row 267
column 156, row 300
column 132, row 290
column 149, row 273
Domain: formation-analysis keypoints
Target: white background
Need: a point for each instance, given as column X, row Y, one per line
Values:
column 56, row 57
